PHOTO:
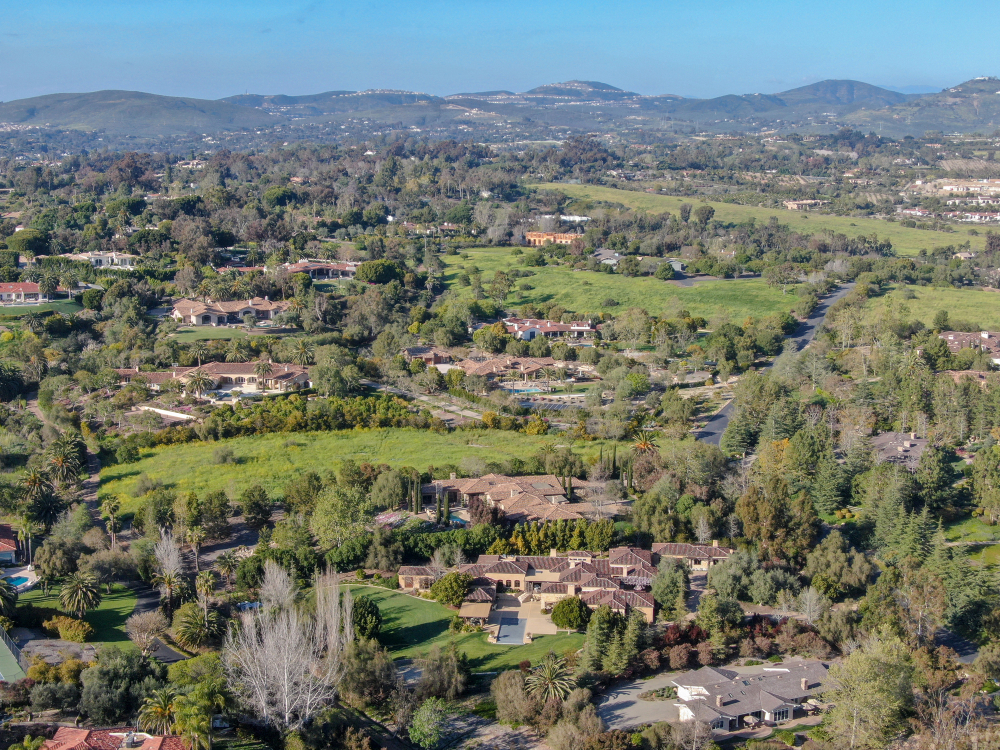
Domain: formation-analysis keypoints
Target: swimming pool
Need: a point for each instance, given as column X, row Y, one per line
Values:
column 17, row 581
column 523, row 390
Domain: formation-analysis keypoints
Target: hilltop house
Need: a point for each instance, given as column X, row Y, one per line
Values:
column 903, row 448
column 537, row 239
column 431, row 355
column 728, row 701
column 227, row 376
column 527, row 329
column 195, row 313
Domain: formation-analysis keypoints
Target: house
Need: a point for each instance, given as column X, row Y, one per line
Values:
column 416, row 578
column 729, row 701
column 507, row 368
column 125, row 738
column 607, row 256
column 195, row 313
column 228, row 375
column 986, row 341
column 21, row 292
column 321, row 270
column 697, row 556
column 431, row 355
column 537, row 239
column 903, row 448
column 617, row 581
column 803, row 205
column 522, row 499
column 527, row 329
column 107, row 260
column 8, row 544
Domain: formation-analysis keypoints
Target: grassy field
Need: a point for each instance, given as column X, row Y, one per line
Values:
column 906, row 241
column 272, row 460
column 972, row 305
column 66, row 307
column 584, row 291
column 411, row 626
column 208, row 333
column 108, row 620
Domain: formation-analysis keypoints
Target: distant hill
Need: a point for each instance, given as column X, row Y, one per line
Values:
column 132, row 113
column 330, row 102
column 973, row 105
column 843, row 94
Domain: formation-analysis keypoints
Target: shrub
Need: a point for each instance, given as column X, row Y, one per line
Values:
column 69, row 629
column 127, row 454
column 145, row 484
column 571, row 613
column 223, row 455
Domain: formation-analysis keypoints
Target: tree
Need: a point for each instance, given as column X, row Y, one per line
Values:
column 571, row 613
column 605, row 624
column 157, row 713
column 8, row 598
column 451, row 588
column 428, row 724
column 110, row 507
column 370, row 675
column 257, row 507
column 670, row 587
column 303, row 353
column 284, row 667
column 836, row 569
column 115, row 688
column 194, row 712
column 704, row 213
column 445, row 673
column 367, row 617
column 387, row 490
column 226, row 564
column 873, row 695
column 79, row 593
column 262, row 371
column 143, row 628
column 550, row 679
column 29, row 743
column 198, row 382
column 380, row 271
column 195, row 538
column 514, row 705
column 500, row 287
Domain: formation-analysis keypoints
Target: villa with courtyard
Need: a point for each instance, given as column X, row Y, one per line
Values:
column 527, row 329
column 542, row 497
column 227, row 376
column 196, row 313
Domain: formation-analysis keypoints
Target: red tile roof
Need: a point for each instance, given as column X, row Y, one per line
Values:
column 8, row 541
column 68, row 738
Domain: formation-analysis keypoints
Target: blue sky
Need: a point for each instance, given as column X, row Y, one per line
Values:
column 215, row 48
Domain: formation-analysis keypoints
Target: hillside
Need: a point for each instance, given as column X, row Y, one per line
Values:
column 973, row 105
column 132, row 112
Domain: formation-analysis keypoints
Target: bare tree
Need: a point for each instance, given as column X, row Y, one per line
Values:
column 168, row 555
column 703, row 529
column 812, row 604
column 692, row 735
column 144, row 628
column 277, row 590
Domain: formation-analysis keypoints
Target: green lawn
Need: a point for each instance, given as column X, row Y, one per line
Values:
column 108, row 620
column 66, row 307
column 410, row 626
column 272, row 460
column 971, row 530
column 972, row 305
column 208, row 333
column 906, row 241
column 583, row 292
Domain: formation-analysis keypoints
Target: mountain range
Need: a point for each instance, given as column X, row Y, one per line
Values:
column 584, row 105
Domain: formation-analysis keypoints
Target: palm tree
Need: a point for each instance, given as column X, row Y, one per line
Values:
column 28, row 743
column 193, row 629
column 550, row 679
column 157, row 713
column 34, row 486
column 199, row 382
column 110, row 508
column 169, row 583
column 236, row 352
column 47, row 285
column 27, row 528
column 32, row 321
column 303, row 352
column 261, row 370
column 198, row 349
column 644, row 445
column 63, row 466
column 196, row 537
column 204, row 585
column 8, row 598
column 80, row 593
column 227, row 563
column 194, row 715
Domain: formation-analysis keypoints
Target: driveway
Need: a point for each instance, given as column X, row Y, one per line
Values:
column 148, row 601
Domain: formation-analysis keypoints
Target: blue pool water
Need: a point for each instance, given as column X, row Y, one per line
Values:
column 17, row 581
column 523, row 390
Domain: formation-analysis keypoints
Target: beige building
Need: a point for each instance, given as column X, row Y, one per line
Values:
column 197, row 313
column 228, row 376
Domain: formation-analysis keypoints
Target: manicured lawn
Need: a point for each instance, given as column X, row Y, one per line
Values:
column 971, row 530
column 66, row 307
column 272, row 460
column 904, row 240
column 976, row 306
column 584, row 292
column 411, row 626
column 208, row 333
column 108, row 620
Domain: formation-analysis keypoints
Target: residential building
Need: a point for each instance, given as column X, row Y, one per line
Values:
column 697, row 556
column 729, row 701
column 320, row 270
column 607, row 256
column 228, row 376
column 416, row 577
column 8, row 544
column 507, row 368
column 196, row 313
column 803, row 205
column 21, row 292
column 619, row 581
column 431, row 355
column 537, row 239
column 125, row 738
column 522, row 499
column 527, row 329
column 986, row 341
column 107, row 260
column 903, row 448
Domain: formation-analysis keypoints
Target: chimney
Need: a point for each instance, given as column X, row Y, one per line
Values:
column 804, row 684
column 913, row 436
column 715, row 542
column 453, row 475
column 553, row 552
column 718, row 701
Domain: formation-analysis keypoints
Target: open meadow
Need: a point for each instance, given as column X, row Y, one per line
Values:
column 972, row 305
column 584, row 292
column 905, row 241
column 272, row 460
column 411, row 626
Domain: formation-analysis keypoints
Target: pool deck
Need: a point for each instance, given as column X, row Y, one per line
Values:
column 25, row 572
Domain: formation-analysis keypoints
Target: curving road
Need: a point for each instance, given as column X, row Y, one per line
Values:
column 713, row 429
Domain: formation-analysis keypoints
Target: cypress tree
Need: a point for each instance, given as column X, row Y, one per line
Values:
column 828, row 486
column 446, row 514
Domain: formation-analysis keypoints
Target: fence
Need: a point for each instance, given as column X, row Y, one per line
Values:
column 22, row 661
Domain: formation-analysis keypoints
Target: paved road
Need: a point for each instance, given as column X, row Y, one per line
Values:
column 713, row 429
column 147, row 601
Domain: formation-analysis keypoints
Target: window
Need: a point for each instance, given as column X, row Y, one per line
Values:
column 781, row 714
column 718, row 724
